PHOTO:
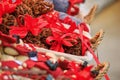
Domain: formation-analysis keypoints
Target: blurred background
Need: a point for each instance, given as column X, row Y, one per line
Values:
column 108, row 19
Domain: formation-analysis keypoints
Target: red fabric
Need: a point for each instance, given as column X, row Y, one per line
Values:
column 41, row 58
column 11, row 64
column 42, row 65
column 67, row 20
column 22, row 50
column 57, row 72
column 6, row 73
column 6, row 40
column 63, row 64
column 84, row 74
column 30, row 63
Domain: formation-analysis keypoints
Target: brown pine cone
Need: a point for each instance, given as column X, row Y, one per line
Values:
column 23, row 9
column 41, row 7
column 9, row 20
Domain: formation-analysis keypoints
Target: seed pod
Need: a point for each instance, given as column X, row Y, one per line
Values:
column 11, row 51
column 7, row 58
column 22, row 58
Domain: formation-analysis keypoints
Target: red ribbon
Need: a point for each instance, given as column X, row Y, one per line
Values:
column 59, row 32
column 53, row 19
column 67, row 20
column 33, row 25
column 10, row 64
column 72, row 5
column 85, row 43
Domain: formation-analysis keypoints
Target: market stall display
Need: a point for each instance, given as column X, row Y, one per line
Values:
column 38, row 42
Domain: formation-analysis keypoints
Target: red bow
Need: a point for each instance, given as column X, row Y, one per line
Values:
column 53, row 19
column 72, row 5
column 61, row 35
column 67, row 20
column 57, row 41
column 33, row 25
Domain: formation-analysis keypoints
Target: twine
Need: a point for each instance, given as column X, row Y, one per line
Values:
column 103, row 71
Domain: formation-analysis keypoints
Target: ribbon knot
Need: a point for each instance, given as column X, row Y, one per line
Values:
column 72, row 5
column 33, row 25
column 57, row 41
